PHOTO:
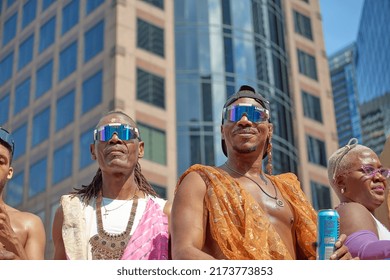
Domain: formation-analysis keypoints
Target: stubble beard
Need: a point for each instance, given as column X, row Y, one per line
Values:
column 245, row 150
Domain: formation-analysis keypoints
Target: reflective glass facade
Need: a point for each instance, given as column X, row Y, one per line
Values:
column 372, row 68
column 373, row 56
column 221, row 45
column 345, row 96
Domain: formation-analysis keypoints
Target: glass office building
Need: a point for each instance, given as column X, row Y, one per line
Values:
column 372, row 68
column 274, row 46
column 63, row 64
column 345, row 96
column 221, row 45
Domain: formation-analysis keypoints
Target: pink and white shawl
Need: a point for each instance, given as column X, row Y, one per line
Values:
column 150, row 239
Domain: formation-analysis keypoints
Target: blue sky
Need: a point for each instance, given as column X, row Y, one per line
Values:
column 340, row 22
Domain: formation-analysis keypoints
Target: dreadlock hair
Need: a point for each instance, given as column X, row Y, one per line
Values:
column 87, row 192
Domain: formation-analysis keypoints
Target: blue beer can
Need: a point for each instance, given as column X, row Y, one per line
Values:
column 328, row 231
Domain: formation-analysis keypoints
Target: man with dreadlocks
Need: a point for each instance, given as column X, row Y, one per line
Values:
column 118, row 215
column 236, row 211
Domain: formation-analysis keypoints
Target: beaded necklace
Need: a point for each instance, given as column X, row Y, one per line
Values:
column 110, row 246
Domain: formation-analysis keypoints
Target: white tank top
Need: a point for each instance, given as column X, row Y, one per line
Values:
column 118, row 213
column 383, row 232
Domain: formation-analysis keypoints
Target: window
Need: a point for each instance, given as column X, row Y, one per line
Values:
column 91, row 5
column 307, row 65
column 29, row 12
column 20, row 138
column 150, row 88
column 62, row 163
column 302, row 25
column 6, row 68
column 92, row 92
column 155, row 143
column 68, row 61
column 161, row 191
column 47, row 34
column 150, row 37
column 46, row 4
column 312, row 106
column 320, row 196
column 26, row 50
column 9, row 28
column 44, row 79
column 10, row 3
column 22, row 95
column 15, row 189
column 86, row 138
column 316, row 151
column 41, row 127
column 70, row 16
column 93, row 41
column 4, row 109
column 157, row 3
column 65, row 110
column 38, row 174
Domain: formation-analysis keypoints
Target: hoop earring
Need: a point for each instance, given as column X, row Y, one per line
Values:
column 269, row 166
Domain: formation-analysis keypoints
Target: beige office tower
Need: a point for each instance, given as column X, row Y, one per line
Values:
column 314, row 118
column 63, row 64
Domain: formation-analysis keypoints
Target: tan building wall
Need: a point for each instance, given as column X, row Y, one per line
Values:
column 119, row 61
column 321, row 88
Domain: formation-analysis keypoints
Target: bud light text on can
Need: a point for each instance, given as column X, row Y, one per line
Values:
column 328, row 229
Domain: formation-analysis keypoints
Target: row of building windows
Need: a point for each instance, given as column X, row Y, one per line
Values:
column 150, row 89
column 316, row 149
column 91, row 96
column 93, row 45
column 70, row 16
column 151, row 38
column 61, row 168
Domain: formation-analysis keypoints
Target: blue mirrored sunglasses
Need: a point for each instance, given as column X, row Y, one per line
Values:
column 254, row 114
column 6, row 137
column 124, row 132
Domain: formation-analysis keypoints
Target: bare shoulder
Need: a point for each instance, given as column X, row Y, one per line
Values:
column 191, row 182
column 355, row 217
column 352, row 209
column 28, row 219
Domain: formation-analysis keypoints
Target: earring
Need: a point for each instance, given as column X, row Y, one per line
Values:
column 343, row 190
column 269, row 156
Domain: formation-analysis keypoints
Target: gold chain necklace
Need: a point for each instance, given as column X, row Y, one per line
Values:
column 106, row 211
column 278, row 201
column 110, row 246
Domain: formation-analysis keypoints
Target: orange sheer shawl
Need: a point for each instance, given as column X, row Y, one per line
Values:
column 240, row 226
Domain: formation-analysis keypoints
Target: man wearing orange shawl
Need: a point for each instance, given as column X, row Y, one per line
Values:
column 235, row 211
